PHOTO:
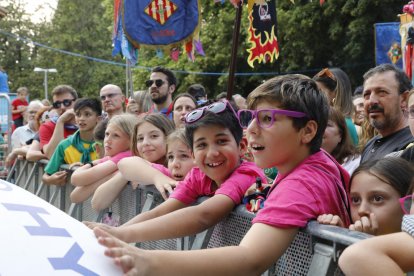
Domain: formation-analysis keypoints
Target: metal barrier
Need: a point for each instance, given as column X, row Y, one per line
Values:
column 314, row 251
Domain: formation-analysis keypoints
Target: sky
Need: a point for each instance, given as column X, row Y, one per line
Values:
column 32, row 6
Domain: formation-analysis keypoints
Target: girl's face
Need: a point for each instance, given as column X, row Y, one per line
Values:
column 115, row 141
column 182, row 106
column 411, row 113
column 369, row 194
column 151, row 143
column 332, row 137
column 180, row 161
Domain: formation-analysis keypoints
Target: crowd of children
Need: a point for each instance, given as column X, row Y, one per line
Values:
column 303, row 129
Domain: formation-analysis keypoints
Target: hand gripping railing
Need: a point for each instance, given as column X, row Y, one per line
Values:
column 314, row 251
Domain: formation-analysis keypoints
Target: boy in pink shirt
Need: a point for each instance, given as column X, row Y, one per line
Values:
column 215, row 137
column 285, row 124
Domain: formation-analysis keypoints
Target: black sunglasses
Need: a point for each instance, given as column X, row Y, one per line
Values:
column 158, row 83
column 65, row 102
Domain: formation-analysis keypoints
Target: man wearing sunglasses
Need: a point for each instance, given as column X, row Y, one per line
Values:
column 52, row 132
column 161, row 86
column 112, row 100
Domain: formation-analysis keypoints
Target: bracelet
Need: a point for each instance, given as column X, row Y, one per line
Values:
column 90, row 163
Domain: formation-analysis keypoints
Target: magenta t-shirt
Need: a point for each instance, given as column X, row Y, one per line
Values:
column 162, row 169
column 313, row 188
column 198, row 184
column 117, row 157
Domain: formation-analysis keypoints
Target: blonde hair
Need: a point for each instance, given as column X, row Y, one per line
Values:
column 178, row 134
column 125, row 122
column 156, row 119
column 143, row 99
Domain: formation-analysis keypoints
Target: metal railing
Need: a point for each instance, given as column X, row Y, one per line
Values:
column 314, row 251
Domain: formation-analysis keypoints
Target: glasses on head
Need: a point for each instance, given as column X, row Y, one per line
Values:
column 217, row 107
column 65, row 102
column 265, row 117
column 158, row 83
column 326, row 73
column 109, row 96
column 406, row 203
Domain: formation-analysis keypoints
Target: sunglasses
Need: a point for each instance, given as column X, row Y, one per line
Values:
column 326, row 73
column 158, row 83
column 217, row 107
column 265, row 117
column 109, row 96
column 406, row 203
column 65, row 102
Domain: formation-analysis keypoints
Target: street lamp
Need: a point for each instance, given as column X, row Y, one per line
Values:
column 47, row 70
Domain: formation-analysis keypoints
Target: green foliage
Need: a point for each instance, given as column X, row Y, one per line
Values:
column 338, row 33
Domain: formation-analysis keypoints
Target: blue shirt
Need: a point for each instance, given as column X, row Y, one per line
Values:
column 4, row 85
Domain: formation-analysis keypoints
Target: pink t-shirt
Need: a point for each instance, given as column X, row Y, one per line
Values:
column 313, row 188
column 162, row 169
column 116, row 158
column 198, row 184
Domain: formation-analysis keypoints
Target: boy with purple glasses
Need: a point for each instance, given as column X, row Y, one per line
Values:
column 215, row 137
column 309, row 183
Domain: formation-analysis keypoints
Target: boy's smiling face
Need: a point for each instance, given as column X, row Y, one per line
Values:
column 277, row 146
column 216, row 152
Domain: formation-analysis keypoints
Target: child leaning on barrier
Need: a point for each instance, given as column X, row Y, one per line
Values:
column 141, row 172
column 215, row 136
column 284, row 129
column 77, row 147
column 391, row 254
column 375, row 188
column 116, row 143
column 149, row 142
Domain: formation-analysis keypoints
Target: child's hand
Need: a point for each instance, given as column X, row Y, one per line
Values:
column 132, row 260
column 67, row 116
column 58, row 178
column 163, row 188
column 365, row 224
column 330, row 219
column 103, row 226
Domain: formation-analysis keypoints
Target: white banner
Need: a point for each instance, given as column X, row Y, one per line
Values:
column 36, row 238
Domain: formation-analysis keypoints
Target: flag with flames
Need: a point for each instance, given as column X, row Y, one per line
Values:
column 262, row 32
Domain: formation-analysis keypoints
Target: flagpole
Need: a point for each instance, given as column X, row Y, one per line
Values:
column 234, row 48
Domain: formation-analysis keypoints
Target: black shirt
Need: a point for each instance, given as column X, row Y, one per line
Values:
column 379, row 146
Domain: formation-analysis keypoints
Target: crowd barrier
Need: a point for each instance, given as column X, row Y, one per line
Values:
column 314, row 251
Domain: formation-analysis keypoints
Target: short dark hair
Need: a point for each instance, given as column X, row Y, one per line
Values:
column 62, row 89
column 298, row 93
column 226, row 119
column 404, row 83
column 92, row 103
column 99, row 130
column 170, row 75
column 394, row 171
column 197, row 91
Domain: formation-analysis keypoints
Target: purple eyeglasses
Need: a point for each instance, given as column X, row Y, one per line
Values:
column 265, row 117
column 406, row 203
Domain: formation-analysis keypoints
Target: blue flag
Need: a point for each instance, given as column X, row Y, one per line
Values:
column 388, row 44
